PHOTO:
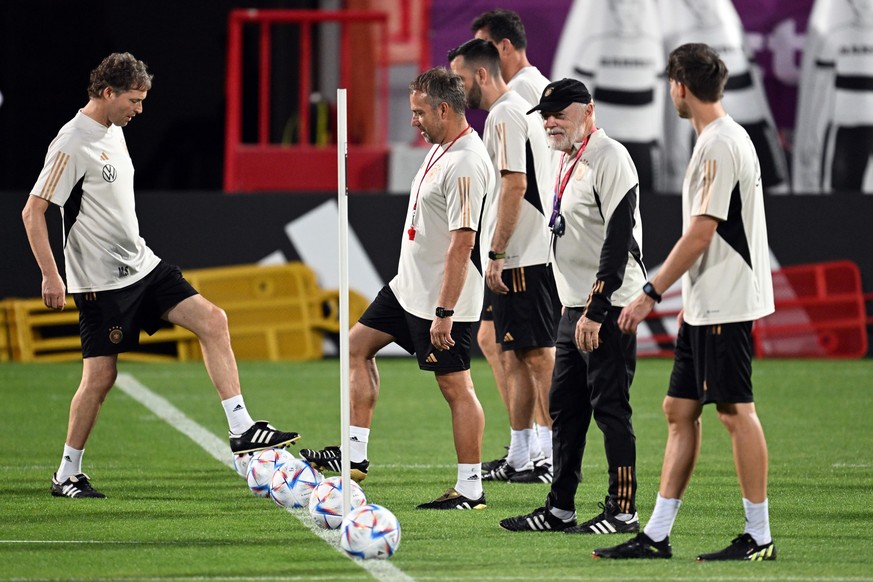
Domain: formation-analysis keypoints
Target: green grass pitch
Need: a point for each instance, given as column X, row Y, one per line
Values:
column 176, row 513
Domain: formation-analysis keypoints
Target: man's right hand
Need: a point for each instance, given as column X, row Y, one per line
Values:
column 54, row 292
column 494, row 276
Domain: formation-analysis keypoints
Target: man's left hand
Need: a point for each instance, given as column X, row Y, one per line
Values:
column 587, row 334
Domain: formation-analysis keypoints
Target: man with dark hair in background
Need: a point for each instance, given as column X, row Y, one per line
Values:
column 504, row 29
column 515, row 251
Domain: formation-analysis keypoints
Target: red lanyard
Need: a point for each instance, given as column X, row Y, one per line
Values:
column 560, row 184
column 430, row 164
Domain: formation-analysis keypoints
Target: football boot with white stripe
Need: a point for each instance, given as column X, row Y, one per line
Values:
column 541, row 473
column 330, row 459
column 743, row 547
column 541, row 519
column 262, row 435
column 451, row 499
column 505, row 472
column 488, row 466
column 75, row 487
column 607, row 522
column 639, row 547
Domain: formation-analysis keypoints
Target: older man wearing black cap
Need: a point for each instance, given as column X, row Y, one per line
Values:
column 597, row 254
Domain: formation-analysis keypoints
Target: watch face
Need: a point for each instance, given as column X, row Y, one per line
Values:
column 649, row 290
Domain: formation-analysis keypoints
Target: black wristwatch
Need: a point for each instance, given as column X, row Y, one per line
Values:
column 496, row 256
column 443, row 312
column 649, row 290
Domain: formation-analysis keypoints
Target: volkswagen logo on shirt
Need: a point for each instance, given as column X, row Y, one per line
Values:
column 109, row 173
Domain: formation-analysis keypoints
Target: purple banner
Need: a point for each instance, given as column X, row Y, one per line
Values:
column 774, row 30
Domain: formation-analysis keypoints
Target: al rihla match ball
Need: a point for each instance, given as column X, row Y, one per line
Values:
column 241, row 464
column 260, row 472
column 326, row 501
column 370, row 531
column 293, row 482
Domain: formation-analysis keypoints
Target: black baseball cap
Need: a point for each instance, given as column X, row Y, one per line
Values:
column 558, row 95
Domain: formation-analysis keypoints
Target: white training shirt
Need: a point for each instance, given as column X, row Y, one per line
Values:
column 731, row 281
column 530, row 83
column 509, row 132
column 604, row 181
column 450, row 198
column 103, row 249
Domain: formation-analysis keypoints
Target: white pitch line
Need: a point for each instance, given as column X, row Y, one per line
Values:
column 69, row 542
column 220, row 450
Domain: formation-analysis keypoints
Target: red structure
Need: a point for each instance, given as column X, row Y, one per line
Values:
column 820, row 313
column 369, row 41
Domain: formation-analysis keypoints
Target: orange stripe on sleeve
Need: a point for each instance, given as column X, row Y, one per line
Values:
column 60, row 164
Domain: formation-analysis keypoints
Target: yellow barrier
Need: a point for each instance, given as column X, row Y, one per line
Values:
column 37, row 333
column 5, row 351
column 274, row 312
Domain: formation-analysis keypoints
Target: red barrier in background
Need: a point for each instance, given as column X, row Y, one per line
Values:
column 820, row 313
column 304, row 165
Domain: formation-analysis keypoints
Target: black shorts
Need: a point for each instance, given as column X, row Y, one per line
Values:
column 487, row 305
column 110, row 321
column 525, row 317
column 713, row 363
column 413, row 334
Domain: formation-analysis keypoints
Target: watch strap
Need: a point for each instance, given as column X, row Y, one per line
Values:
column 649, row 290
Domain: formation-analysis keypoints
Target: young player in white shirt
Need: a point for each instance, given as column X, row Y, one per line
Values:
column 724, row 262
column 119, row 285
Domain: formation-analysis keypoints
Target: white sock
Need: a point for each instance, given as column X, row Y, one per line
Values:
column 71, row 463
column 536, row 449
column 469, row 480
column 238, row 418
column 758, row 521
column 519, row 449
column 358, row 437
column 661, row 522
column 545, row 437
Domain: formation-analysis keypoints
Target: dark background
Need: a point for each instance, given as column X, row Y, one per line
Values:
column 198, row 229
column 48, row 49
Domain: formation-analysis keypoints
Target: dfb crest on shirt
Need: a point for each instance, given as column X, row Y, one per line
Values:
column 109, row 173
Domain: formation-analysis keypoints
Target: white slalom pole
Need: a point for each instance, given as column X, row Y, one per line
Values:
column 343, row 203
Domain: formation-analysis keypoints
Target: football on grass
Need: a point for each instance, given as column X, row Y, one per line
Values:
column 370, row 531
column 326, row 502
column 260, row 472
column 293, row 482
column 241, row 464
